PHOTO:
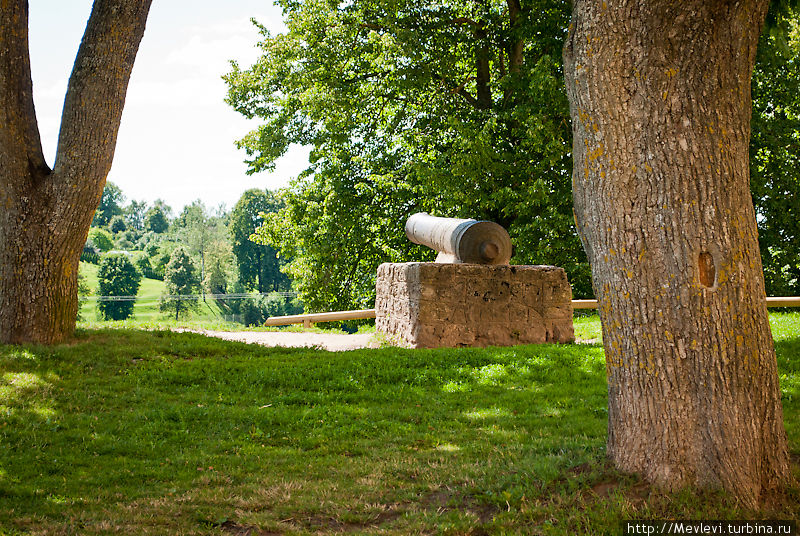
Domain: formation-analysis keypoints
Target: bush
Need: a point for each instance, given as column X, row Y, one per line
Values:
column 101, row 238
column 83, row 292
column 146, row 269
column 254, row 311
column 90, row 253
column 117, row 277
column 117, row 225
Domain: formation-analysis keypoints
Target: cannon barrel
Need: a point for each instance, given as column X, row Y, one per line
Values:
column 467, row 241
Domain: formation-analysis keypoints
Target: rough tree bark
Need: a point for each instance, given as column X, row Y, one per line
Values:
column 46, row 213
column 660, row 101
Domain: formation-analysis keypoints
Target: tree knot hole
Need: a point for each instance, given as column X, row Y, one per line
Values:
column 707, row 268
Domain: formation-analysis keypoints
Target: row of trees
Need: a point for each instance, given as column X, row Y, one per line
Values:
column 458, row 109
column 217, row 241
column 119, row 276
column 196, row 251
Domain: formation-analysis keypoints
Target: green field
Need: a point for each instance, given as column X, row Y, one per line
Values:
column 154, row 432
column 145, row 310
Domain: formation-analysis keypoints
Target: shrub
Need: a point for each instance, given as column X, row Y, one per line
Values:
column 117, row 277
column 254, row 311
column 101, row 238
column 117, row 224
column 90, row 253
column 144, row 266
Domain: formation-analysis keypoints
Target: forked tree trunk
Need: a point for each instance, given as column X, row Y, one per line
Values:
column 660, row 102
column 45, row 214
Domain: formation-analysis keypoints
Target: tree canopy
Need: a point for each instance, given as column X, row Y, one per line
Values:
column 117, row 277
column 258, row 264
column 181, row 280
column 110, row 205
column 775, row 151
column 455, row 109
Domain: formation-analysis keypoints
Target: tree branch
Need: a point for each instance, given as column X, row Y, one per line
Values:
column 460, row 90
column 20, row 143
column 516, row 46
column 97, row 88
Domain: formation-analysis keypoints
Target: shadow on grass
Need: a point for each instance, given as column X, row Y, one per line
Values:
column 181, row 430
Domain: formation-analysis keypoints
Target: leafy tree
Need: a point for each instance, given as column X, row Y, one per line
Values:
column 258, row 264
column 47, row 212
column 202, row 233
column 399, row 122
column 117, row 277
column 453, row 108
column 155, row 220
column 775, row 152
column 135, row 214
column 117, row 224
column 101, row 239
column 146, row 268
column 181, row 279
column 216, row 280
column 110, row 205
column 661, row 128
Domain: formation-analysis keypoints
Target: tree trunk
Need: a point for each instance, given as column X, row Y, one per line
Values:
column 660, row 101
column 46, row 213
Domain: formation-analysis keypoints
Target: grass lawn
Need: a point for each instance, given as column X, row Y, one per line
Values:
column 134, row 432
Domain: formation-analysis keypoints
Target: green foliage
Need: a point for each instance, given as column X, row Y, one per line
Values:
column 155, row 432
column 253, row 312
column 155, row 220
column 205, row 236
column 216, row 281
column 117, row 224
column 258, row 264
column 410, row 106
column 135, row 214
column 117, row 277
column 84, row 290
column 180, row 278
column 451, row 108
column 90, row 253
column 127, row 240
column 101, row 239
column 775, row 153
column 110, row 205
column 146, row 268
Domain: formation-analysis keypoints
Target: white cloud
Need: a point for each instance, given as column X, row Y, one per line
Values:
column 176, row 140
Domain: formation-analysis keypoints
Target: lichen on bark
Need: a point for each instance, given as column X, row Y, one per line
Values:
column 660, row 100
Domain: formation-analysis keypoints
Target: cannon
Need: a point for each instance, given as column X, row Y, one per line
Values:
column 460, row 241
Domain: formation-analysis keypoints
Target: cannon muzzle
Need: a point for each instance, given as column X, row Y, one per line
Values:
column 460, row 241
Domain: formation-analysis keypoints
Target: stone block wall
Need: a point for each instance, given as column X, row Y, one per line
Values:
column 433, row 305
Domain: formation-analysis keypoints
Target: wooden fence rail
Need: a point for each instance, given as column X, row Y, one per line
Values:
column 308, row 319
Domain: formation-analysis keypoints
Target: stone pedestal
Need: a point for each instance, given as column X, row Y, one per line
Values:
column 432, row 305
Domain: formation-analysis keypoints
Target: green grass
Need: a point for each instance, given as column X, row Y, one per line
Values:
column 134, row 432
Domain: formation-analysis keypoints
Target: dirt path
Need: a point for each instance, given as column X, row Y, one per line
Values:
column 326, row 341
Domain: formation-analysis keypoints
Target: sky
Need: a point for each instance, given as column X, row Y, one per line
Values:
column 176, row 140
